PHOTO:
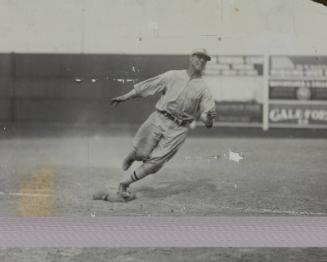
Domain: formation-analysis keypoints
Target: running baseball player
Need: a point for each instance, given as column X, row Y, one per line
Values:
column 184, row 98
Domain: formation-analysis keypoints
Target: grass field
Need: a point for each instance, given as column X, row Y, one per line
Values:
column 51, row 175
column 57, row 175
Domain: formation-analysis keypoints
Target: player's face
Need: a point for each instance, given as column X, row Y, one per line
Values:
column 198, row 62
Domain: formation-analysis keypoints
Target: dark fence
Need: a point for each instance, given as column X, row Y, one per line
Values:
column 77, row 88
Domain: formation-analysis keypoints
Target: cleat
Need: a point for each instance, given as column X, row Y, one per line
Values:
column 116, row 197
column 100, row 195
column 122, row 190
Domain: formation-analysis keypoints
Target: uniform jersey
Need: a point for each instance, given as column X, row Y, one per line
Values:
column 158, row 139
column 182, row 97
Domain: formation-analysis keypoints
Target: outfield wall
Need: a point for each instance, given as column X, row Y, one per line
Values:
column 76, row 88
column 287, row 91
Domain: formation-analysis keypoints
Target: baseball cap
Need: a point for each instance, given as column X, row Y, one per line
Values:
column 201, row 51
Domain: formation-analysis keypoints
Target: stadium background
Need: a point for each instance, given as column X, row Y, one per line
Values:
column 60, row 140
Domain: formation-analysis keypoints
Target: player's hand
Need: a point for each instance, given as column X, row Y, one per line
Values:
column 117, row 100
column 211, row 115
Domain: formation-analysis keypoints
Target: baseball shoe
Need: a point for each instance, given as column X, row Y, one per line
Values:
column 100, row 195
column 122, row 191
column 122, row 196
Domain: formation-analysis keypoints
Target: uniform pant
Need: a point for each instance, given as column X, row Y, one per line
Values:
column 157, row 141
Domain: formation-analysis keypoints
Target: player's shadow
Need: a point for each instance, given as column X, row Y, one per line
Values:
column 167, row 189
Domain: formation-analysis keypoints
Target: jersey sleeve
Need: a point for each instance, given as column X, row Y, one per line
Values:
column 207, row 103
column 152, row 85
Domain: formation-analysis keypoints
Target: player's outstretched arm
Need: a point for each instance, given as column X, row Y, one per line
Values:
column 208, row 118
column 117, row 100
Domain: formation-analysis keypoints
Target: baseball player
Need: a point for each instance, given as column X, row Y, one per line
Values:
column 184, row 98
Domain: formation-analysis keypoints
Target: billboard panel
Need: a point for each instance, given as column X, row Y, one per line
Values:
column 298, row 91
column 302, row 115
column 298, row 77
column 236, row 82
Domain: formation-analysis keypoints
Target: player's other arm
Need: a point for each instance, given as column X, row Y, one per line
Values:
column 145, row 88
column 208, row 109
column 116, row 100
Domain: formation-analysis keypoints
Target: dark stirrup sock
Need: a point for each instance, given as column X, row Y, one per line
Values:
column 134, row 177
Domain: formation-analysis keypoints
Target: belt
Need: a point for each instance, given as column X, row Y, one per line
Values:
column 174, row 119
